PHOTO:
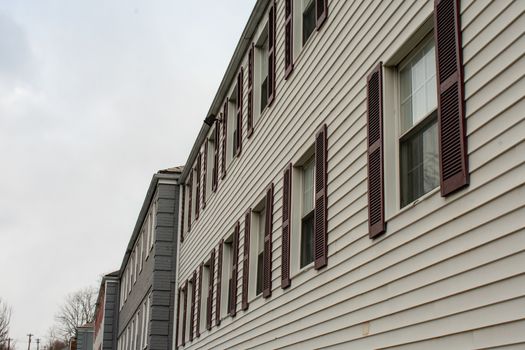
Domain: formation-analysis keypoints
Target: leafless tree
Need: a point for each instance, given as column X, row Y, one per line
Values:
column 5, row 320
column 77, row 310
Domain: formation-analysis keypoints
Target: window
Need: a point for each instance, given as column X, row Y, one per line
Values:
column 308, row 19
column 205, row 285
column 142, row 256
column 258, row 226
column 210, row 166
column 231, row 143
column 189, row 326
column 137, row 262
column 226, row 285
column 418, row 141
column 307, row 213
column 153, row 222
column 262, row 47
column 182, row 318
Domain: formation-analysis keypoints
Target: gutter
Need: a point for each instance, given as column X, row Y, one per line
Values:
column 238, row 55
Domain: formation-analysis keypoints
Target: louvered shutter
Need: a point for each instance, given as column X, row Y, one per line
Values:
column 453, row 158
column 320, row 211
column 235, row 268
column 271, row 54
column 198, row 186
column 199, row 298
column 192, row 309
column 238, row 135
column 288, row 40
column 267, row 253
column 376, row 210
column 177, row 329
column 219, row 284
column 224, row 138
column 285, row 254
column 182, row 213
column 321, row 12
column 250, row 91
column 246, row 259
column 184, row 315
column 209, row 302
column 190, row 190
column 215, row 174
column 205, row 173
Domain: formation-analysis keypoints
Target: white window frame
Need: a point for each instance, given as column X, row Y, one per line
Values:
column 227, row 256
column 392, row 121
column 257, row 228
column 299, row 7
column 259, row 57
column 205, row 286
column 210, row 162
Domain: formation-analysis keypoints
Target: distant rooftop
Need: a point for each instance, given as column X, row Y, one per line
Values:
column 175, row 169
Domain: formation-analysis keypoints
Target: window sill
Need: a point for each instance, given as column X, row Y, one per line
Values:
column 303, row 270
column 413, row 204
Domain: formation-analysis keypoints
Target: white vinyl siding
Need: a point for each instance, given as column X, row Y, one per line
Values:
column 449, row 272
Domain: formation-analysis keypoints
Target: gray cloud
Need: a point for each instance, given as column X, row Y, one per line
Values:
column 95, row 97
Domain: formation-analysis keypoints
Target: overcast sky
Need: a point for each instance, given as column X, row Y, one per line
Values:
column 95, row 96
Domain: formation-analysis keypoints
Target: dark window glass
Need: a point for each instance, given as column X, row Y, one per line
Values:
column 259, row 273
column 307, row 240
column 264, row 93
column 308, row 21
column 419, row 161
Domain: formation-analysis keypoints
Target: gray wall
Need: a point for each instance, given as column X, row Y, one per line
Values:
column 157, row 275
column 110, row 316
column 85, row 339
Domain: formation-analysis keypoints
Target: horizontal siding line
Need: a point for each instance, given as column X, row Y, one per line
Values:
column 493, row 9
column 288, row 301
column 446, row 298
column 478, row 322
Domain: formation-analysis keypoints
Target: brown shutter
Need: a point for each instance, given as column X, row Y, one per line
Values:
column 182, row 213
column 190, row 190
column 288, row 40
column 177, row 329
column 321, row 195
column 321, row 12
column 285, row 254
column 199, row 298
column 192, row 309
column 376, row 210
column 209, row 302
column 184, row 315
column 205, row 173
column 246, row 260
column 198, row 187
column 238, row 135
column 267, row 253
column 215, row 174
column 235, row 268
column 224, row 138
column 219, row 284
column 453, row 158
column 250, row 91
column 271, row 53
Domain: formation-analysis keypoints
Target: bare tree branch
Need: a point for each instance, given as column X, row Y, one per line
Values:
column 77, row 310
column 5, row 320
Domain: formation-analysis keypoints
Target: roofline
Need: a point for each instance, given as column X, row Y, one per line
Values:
column 161, row 175
column 238, row 55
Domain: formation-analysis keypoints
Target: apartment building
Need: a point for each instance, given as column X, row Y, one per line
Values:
column 358, row 181
column 147, row 273
column 106, row 313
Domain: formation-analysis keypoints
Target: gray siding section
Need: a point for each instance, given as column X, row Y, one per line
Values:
column 85, row 339
column 158, row 274
column 162, row 308
column 110, row 316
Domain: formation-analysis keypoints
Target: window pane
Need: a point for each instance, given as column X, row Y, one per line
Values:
column 307, row 243
column 308, row 188
column 419, row 163
column 418, row 87
column 259, row 273
column 308, row 19
column 262, row 227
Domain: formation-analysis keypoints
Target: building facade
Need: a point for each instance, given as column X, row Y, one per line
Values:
column 106, row 313
column 84, row 337
column 358, row 182
column 147, row 274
